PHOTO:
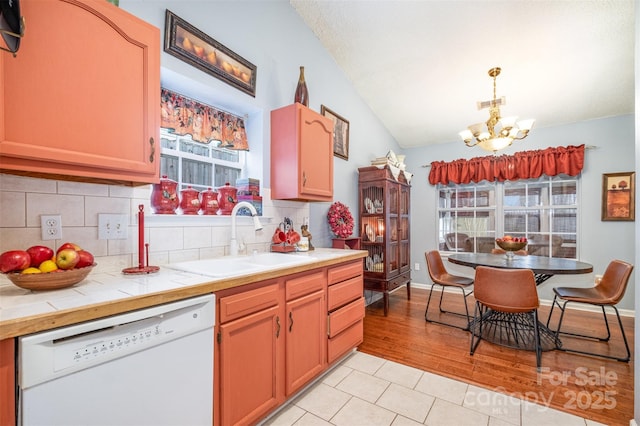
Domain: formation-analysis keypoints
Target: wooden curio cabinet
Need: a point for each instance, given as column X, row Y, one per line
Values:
column 384, row 230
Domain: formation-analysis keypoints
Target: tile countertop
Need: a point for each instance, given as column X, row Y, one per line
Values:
column 102, row 294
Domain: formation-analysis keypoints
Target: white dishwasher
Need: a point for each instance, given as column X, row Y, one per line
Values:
column 148, row 367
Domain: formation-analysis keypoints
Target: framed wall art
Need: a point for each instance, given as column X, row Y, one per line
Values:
column 186, row 42
column 618, row 196
column 340, row 133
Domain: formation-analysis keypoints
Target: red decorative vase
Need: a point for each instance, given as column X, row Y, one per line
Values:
column 189, row 201
column 164, row 197
column 227, row 198
column 209, row 202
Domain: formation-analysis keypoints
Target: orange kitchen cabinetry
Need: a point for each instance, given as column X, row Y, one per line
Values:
column 272, row 341
column 345, row 305
column 251, row 354
column 82, row 96
column 306, row 340
column 7, row 382
column 301, row 155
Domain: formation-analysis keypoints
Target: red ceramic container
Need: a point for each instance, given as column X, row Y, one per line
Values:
column 227, row 198
column 164, row 197
column 209, row 202
column 189, row 201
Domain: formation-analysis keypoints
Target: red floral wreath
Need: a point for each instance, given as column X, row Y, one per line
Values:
column 340, row 220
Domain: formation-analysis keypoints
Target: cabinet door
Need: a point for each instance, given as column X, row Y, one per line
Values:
column 250, row 366
column 7, row 382
column 316, row 155
column 82, row 96
column 301, row 154
column 306, row 339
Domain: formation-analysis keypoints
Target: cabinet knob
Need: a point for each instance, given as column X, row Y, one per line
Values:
column 304, row 178
column 290, row 319
column 153, row 150
column 277, row 327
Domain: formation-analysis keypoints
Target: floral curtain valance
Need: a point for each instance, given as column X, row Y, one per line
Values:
column 567, row 160
column 203, row 122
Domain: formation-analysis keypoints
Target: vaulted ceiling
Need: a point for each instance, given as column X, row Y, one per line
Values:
column 422, row 65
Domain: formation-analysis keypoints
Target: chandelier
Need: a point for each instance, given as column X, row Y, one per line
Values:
column 492, row 138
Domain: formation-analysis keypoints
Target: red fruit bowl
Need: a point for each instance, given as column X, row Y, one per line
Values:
column 511, row 245
column 62, row 278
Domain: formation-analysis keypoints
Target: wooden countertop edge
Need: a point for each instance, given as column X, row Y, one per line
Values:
column 50, row 320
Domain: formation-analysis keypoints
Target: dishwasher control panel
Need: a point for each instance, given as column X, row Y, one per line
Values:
column 49, row 354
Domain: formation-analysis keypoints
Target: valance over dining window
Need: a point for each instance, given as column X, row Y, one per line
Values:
column 203, row 122
column 567, row 160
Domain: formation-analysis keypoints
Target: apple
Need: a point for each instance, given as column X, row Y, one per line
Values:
column 86, row 259
column 67, row 258
column 68, row 246
column 14, row 260
column 39, row 254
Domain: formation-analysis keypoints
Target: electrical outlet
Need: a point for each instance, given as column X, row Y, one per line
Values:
column 51, row 225
column 113, row 226
column 416, row 266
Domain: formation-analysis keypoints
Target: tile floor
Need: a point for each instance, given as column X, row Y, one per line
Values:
column 366, row 390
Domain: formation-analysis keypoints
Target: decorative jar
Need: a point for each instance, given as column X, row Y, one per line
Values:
column 164, row 197
column 209, row 202
column 227, row 198
column 189, row 201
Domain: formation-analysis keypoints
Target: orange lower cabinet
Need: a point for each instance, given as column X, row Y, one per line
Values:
column 7, row 382
column 306, row 340
column 345, row 329
column 250, row 360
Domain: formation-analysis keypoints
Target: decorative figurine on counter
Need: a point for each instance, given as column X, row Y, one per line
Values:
column 304, row 229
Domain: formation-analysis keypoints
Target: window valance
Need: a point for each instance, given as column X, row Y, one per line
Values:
column 203, row 122
column 567, row 160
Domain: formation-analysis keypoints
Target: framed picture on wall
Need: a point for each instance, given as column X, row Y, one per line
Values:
column 618, row 200
column 340, row 133
column 186, row 42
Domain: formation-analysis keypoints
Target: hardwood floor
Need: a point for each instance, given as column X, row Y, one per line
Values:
column 595, row 388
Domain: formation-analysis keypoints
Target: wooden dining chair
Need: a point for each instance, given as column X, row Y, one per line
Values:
column 608, row 292
column 440, row 277
column 506, row 309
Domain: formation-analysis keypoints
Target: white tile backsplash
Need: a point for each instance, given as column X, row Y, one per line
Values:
column 171, row 238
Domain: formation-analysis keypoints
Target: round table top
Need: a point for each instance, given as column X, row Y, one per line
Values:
column 538, row 264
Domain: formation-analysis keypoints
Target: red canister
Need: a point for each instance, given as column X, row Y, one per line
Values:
column 189, row 201
column 164, row 197
column 209, row 202
column 227, row 198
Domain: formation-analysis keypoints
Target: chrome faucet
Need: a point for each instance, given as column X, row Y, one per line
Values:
column 233, row 247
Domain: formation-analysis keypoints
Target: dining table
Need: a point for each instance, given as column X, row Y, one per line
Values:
column 504, row 329
column 543, row 267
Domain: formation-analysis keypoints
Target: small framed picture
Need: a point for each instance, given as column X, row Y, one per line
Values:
column 186, row 42
column 340, row 133
column 618, row 200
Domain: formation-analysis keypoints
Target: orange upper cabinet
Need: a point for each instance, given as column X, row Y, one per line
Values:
column 301, row 155
column 82, row 96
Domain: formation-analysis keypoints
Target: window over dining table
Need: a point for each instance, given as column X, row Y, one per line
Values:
column 544, row 210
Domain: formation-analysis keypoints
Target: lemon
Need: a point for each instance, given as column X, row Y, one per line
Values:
column 31, row 270
column 48, row 266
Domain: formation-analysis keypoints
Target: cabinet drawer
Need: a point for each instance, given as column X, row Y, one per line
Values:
column 248, row 302
column 398, row 281
column 344, row 317
column 305, row 284
column 344, row 292
column 345, row 341
column 344, row 272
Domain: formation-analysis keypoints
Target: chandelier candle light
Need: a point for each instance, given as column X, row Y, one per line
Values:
column 492, row 139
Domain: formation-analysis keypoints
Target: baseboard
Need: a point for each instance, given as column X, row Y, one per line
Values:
column 544, row 302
